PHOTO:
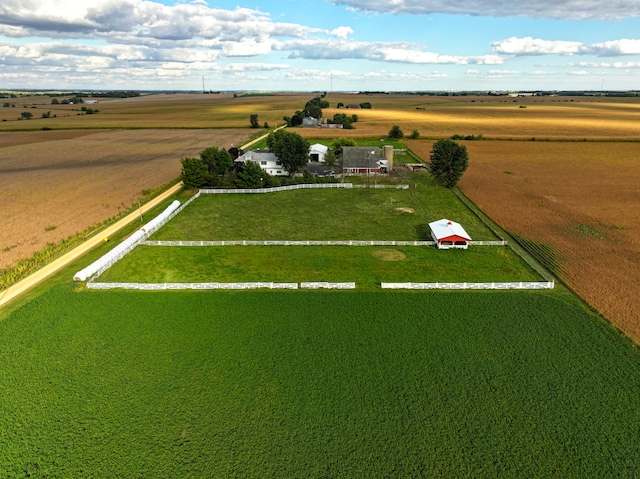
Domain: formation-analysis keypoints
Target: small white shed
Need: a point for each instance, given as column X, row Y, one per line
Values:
column 448, row 234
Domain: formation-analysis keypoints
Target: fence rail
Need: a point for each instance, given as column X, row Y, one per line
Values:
column 309, row 243
column 520, row 285
column 302, row 186
column 214, row 285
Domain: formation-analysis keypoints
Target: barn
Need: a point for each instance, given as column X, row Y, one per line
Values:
column 448, row 234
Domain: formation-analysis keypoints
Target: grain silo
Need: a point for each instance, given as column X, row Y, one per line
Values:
column 387, row 151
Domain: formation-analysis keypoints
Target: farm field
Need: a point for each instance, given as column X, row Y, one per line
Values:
column 432, row 116
column 54, row 184
column 576, row 205
column 315, row 384
column 320, row 383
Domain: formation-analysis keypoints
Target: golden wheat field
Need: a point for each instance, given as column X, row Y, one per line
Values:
column 492, row 117
column 579, row 202
column 56, row 184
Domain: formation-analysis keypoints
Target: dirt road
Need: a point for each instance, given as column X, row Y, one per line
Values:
column 36, row 278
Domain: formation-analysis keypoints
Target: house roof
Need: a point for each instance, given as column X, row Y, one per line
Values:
column 361, row 156
column 257, row 156
column 317, row 147
column 445, row 228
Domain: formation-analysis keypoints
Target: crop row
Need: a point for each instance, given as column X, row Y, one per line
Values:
column 314, row 383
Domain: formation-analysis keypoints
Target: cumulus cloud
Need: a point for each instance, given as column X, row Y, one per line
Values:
column 342, row 32
column 535, row 46
column 566, row 9
column 396, row 52
column 614, row 48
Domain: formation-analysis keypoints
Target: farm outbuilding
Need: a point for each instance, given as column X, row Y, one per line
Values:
column 363, row 160
column 317, row 152
column 448, row 234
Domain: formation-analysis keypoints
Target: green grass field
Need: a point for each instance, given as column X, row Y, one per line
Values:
column 349, row 214
column 315, row 384
column 367, row 266
column 345, row 214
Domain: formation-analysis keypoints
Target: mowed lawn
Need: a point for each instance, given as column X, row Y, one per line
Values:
column 315, row 384
column 367, row 266
column 332, row 214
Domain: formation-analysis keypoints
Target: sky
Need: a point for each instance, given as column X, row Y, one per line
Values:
column 320, row 45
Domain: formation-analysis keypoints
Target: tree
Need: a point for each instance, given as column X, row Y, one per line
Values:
column 313, row 110
column 395, row 132
column 26, row 115
column 218, row 162
column 194, row 173
column 250, row 176
column 291, row 149
column 448, row 162
column 254, row 121
column 330, row 159
column 414, row 135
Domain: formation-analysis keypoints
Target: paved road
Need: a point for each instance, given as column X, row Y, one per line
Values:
column 36, row 278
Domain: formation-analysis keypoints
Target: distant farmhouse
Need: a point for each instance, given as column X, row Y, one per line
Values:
column 265, row 160
column 310, row 122
column 448, row 234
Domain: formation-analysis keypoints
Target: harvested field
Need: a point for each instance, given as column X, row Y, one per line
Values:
column 577, row 204
column 432, row 116
column 490, row 117
column 56, row 184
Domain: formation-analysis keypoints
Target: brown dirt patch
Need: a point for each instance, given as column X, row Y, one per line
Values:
column 73, row 181
column 404, row 211
column 388, row 254
column 579, row 200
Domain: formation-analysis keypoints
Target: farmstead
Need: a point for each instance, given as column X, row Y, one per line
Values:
column 448, row 234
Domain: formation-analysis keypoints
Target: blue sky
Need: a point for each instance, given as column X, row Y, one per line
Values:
column 320, row 45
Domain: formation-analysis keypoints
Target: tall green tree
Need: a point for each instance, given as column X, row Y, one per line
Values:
column 195, row 173
column 218, row 162
column 250, row 176
column 395, row 132
column 448, row 161
column 253, row 119
column 291, row 149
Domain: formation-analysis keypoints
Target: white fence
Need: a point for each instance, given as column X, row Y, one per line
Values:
column 310, row 243
column 240, row 286
column 302, row 186
column 520, row 285
column 327, row 285
column 289, row 243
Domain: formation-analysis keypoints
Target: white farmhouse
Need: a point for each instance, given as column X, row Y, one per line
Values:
column 318, row 152
column 265, row 160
